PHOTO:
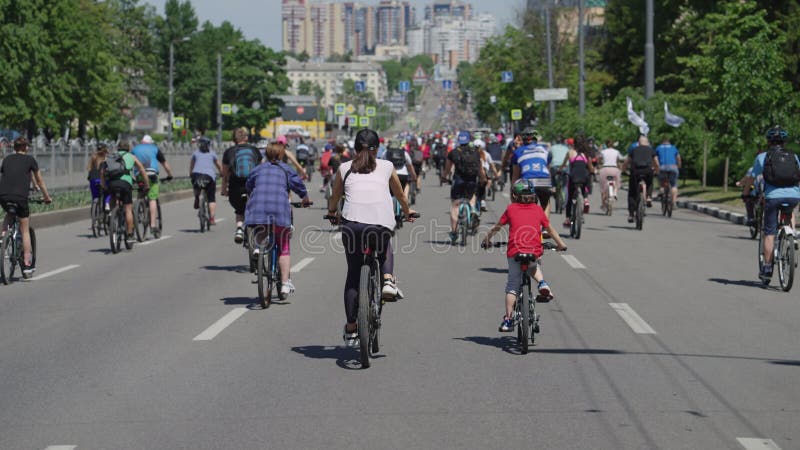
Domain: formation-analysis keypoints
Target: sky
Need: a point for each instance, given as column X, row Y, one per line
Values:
column 261, row 19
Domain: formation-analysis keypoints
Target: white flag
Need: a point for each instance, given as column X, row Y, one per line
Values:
column 636, row 120
column 671, row 119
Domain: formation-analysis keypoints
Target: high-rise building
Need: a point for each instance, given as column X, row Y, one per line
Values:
column 294, row 17
column 393, row 18
column 448, row 9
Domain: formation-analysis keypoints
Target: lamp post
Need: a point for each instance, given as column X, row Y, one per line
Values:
column 549, row 61
column 649, row 54
column 219, row 99
column 171, row 78
column 581, row 73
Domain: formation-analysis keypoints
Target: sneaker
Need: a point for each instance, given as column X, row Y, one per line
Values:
column 766, row 273
column 506, row 326
column 256, row 251
column 389, row 291
column 28, row 271
column 586, row 206
column 107, row 207
column 350, row 339
column 196, row 203
column 287, row 288
column 483, row 205
column 649, row 202
column 211, row 221
column 630, row 219
column 453, row 237
column 545, row 294
column 238, row 236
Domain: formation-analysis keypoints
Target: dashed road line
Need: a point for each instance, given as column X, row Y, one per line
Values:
column 153, row 241
column 299, row 266
column 758, row 444
column 220, row 220
column 55, row 272
column 212, row 331
column 61, row 447
column 573, row 262
column 637, row 324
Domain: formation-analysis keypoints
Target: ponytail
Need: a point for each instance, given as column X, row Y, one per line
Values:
column 364, row 161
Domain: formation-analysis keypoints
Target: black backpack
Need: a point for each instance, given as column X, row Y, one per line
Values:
column 115, row 166
column 467, row 163
column 397, row 156
column 780, row 168
column 642, row 157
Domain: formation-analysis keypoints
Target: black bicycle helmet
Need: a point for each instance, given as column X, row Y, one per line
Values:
column 530, row 134
column 777, row 134
column 204, row 144
column 366, row 139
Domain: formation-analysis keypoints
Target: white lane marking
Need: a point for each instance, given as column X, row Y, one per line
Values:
column 61, row 447
column 55, row 272
column 153, row 241
column 758, row 444
column 220, row 220
column 212, row 331
column 637, row 324
column 573, row 262
column 505, row 194
column 299, row 266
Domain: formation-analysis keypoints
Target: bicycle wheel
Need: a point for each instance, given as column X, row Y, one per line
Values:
column 159, row 220
column 8, row 260
column 141, row 219
column 364, row 324
column 610, row 201
column 534, row 316
column 640, row 211
column 753, row 227
column 786, row 261
column 113, row 235
column 96, row 215
column 494, row 190
column 202, row 213
column 263, row 294
column 664, row 202
column 375, row 311
column 524, row 326
column 578, row 212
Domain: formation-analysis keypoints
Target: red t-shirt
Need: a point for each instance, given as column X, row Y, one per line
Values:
column 525, row 233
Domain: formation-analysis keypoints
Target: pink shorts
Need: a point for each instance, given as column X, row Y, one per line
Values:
column 282, row 237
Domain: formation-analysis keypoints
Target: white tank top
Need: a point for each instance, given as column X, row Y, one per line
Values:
column 367, row 198
column 610, row 157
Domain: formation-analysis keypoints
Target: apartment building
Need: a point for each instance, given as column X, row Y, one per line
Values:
column 331, row 76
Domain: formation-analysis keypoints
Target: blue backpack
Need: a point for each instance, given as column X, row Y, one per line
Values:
column 244, row 162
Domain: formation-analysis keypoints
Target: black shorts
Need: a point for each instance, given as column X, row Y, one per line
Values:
column 463, row 189
column 21, row 206
column 403, row 180
column 211, row 185
column 543, row 195
column 236, row 191
column 121, row 189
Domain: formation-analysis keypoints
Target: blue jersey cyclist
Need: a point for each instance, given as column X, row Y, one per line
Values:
column 781, row 172
column 531, row 162
column 150, row 156
column 669, row 161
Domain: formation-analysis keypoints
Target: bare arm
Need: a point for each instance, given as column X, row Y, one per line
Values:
column 397, row 191
column 336, row 195
column 225, row 173
column 219, row 167
column 514, row 173
column 39, row 180
column 297, row 166
column 191, row 166
column 142, row 170
column 556, row 237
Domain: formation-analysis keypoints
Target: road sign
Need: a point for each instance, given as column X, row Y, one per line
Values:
column 226, row 109
column 353, row 121
column 370, row 110
column 507, row 76
column 363, row 121
column 177, row 122
column 447, row 85
column 404, row 86
column 338, row 109
column 516, row 114
column 546, row 95
column 420, row 78
column 351, row 109
column 361, row 86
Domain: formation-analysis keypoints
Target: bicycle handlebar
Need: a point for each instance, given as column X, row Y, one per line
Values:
column 301, row 205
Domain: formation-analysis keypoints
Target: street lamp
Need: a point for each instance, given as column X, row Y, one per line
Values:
column 171, row 76
column 581, row 74
column 649, row 54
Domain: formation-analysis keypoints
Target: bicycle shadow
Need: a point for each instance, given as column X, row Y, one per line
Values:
column 747, row 283
column 105, row 251
column 237, row 268
column 507, row 343
column 190, row 231
column 346, row 358
column 493, row 270
column 252, row 302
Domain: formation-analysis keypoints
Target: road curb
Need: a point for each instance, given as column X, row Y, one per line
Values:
column 71, row 215
column 714, row 211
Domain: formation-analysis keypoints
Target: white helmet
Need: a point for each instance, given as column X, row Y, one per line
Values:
column 478, row 143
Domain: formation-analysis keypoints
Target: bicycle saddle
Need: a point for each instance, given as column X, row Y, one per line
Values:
column 525, row 258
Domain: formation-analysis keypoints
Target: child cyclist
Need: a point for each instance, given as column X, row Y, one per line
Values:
column 526, row 220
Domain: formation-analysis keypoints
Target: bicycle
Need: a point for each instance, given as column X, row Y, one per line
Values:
column 370, row 301
column 559, row 192
column 99, row 217
column 784, row 256
column 203, row 213
column 754, row 223
column 399, row 216
column 576, row 221
column 141, row 213
column 117, row 226
column 11, row 251
column 412, row 192
column 666, row 195
column 611, row 194
column 641, row 204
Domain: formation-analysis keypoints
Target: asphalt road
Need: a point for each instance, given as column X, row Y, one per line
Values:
column 121, row 351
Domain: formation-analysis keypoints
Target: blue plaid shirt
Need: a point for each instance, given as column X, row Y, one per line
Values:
column 268, row 188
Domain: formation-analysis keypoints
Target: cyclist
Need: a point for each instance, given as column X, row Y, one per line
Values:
column 609, row 159
column 205, row 166
column 116, row 175
column 17, row 171
column 367, row 185
column 403, row 165
column 752, row 187
column 531, row 162
column 289, row 158
column 468, row 171
column 669, row 162
column 558, row 154
column 489, row 168
column 580, row 168
column 526, row 220
column 268, row 203
column 150, row 156
column 643, row 162
column 303, row 155
column 417, row 158
column 237, row 163
column 94, row 174
column 781, row 171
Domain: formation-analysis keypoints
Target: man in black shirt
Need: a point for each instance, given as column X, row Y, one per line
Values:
column 16, row 173
column 643, row 162
column 237, row 162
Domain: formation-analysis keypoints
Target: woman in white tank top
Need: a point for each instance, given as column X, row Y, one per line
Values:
column 609, row 168
column 367, row 185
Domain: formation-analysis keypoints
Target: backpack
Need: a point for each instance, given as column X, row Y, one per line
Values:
column 244, row 161
column 115, row 166
column 780, row 168
column 302, row 152
column 324, row 161
column 417, row 156
column 642, row 157
column 467, row 164
column 397, row 156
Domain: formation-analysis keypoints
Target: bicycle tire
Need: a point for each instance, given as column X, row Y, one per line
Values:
column 753, row 228
column 578, row 216
column 263, row 297
column 640, row 205
column 95, row 215
column 7, row 259
column 610, row 204
column 664, row 202
column 203, row 212
column 364, row 323
column 760, row 254
column 159, row 220
column 524, row 326
column 375, row 311
column 494, row 191
column 786, row 262
column 113, row 235
column 141, row 219
column 534, row 317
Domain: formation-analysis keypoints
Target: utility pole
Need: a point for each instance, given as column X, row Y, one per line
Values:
column 549, row 61
column 219, row 99
column 581, row 73
column 171, row 69
column 649, row 54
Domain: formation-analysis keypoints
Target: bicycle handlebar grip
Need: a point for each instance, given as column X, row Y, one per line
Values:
column 416, row 215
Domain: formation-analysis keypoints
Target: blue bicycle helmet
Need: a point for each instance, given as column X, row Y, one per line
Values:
column 777, row 134
column 464, row 138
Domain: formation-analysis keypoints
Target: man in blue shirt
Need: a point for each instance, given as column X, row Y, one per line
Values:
column 775, row 196
column 150, row 156
column 531, row 162
column 669, row 161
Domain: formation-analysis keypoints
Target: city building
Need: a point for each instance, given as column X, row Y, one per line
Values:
column 452, row 39
column 330, row 77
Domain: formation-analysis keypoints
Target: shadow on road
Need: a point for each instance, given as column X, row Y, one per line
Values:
column 237, row 268
column 493, row 270
column 507, row 344
column 190, row 231
column 743, row 238
column 346, row 358
column 786, row 362
column 105, row 251
column 748, row 283
column 251, row 302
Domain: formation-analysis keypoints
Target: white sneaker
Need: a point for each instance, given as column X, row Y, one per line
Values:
column 390, row 291
column 350, row 339
column 256, row 251
column 238, row 236
column 287, row 288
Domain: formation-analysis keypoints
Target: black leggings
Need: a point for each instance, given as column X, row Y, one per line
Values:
column 354, row 236
column 633, row 188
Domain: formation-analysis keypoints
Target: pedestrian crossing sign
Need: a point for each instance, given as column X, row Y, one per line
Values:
column 226, row 109
column 516, row 114
column 177, row 122
column 370, row 110
column 339, row 109
column 363, row 121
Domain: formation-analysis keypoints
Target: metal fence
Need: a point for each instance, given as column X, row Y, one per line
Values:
column 64, row 162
